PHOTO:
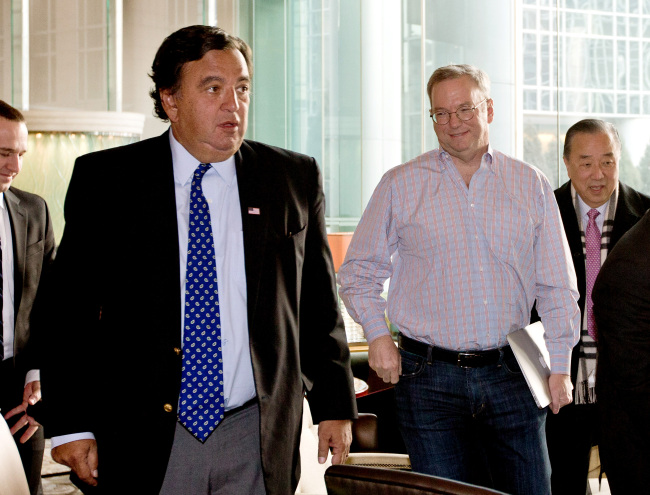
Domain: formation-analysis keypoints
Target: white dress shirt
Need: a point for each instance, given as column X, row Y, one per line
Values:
column 584, row 214
column 221, row 192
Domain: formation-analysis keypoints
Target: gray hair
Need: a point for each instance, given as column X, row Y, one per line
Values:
column 454, row 72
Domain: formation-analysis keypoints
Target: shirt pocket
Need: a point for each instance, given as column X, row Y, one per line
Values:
column 510, row 231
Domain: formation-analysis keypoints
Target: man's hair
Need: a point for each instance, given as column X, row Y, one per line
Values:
column 187, row 45
column 454, row 72
column 590, row 126
column 9, row 113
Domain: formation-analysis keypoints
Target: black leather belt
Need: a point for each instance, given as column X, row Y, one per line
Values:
column 465, row 359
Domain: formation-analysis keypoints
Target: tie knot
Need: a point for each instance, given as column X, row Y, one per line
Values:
column 592, row 214
column 201, row 170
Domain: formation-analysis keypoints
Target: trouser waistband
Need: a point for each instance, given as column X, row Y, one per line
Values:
column 235, row 410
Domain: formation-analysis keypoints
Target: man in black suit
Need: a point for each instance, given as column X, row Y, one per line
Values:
column 622, row 309
column 125, row 349
column 592, row 149
column 27, row 244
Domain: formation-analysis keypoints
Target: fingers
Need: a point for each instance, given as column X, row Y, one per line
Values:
column 32, row 392
column 21, row 422
column 323, row 449
column 28, row 434
column 16, row 410
column 384, row 358
column 81, row 457
column 339, row 454
column 561, row 391
column 34, row 397
column 337, row 436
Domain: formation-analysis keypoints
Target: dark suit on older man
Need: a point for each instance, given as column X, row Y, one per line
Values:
column 570, row 459
column 33, row 252
column 118, row 366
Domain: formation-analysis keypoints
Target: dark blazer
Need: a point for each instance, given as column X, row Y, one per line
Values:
column 630, row 208
column 118, row 286
column 33, row 252
column 622, row 309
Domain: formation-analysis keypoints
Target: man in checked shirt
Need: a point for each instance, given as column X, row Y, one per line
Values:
column 470, row 239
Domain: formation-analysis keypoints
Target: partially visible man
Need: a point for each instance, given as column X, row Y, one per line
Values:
column 196, row 298
column 27, row 245
column 470, row 238
column 592, row 150
column 622, row 309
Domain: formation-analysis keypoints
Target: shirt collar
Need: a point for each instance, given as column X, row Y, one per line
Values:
column 184, row 164
column 2, row 201
column 486, row 161
column 584, row 207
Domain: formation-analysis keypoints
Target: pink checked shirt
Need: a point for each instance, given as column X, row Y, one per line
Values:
column 466, row 264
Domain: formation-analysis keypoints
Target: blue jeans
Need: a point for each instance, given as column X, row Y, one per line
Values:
column 477, row 425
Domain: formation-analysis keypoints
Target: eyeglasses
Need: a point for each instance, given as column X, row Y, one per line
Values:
column 463, row 113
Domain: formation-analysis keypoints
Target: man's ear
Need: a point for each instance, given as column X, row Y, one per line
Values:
column 168, row 100
column 490, row 110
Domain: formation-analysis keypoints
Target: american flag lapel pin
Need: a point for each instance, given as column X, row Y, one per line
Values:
column 253, row 211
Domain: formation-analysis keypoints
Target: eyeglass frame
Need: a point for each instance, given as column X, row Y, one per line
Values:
column 473, row 110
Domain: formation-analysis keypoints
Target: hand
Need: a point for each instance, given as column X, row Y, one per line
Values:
column 561, row 387
column 384, row 358
column 81, row 457
column 31, row 395
column 32, row 392
column 337, row 435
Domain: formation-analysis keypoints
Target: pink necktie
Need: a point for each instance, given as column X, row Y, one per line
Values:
column 592, row 241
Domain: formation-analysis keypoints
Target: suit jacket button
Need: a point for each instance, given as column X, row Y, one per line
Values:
column 168, row 408
column 177, row 351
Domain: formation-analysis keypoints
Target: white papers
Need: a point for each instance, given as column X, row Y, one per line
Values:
column 530, row 350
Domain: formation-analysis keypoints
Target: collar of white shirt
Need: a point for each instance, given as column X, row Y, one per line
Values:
column 184, row 164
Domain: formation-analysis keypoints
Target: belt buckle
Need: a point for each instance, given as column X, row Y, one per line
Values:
column 468, row 355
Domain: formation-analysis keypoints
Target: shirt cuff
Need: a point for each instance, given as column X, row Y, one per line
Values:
column 73, row 437
column 33, row 376
column 375, row 329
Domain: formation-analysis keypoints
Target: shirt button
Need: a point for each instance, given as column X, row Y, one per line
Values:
column 472, row 205
column 168, row 408
column 485, row 302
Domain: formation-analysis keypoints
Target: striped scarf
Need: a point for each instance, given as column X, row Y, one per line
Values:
column 585, row 392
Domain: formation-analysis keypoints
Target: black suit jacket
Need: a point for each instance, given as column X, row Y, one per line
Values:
column 622, row 309
column 33, row 252
column 630, row 208
column 117, row 286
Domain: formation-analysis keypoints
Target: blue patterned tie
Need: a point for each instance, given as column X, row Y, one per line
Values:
column 201, row 400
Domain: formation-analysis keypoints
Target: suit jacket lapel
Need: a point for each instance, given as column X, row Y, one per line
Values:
column 255, row 210
column 18, row 220
column 154, row 186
